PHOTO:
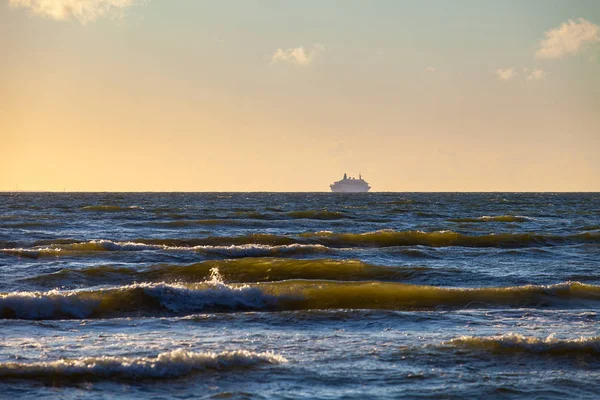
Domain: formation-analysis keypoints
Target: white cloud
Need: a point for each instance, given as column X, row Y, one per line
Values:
column 535, row 74
column 506, row 74
column 430, row 69
column 569, row 38
column 83, row 10
column 298, row 55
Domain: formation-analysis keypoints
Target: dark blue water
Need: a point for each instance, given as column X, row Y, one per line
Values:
column 273, row 295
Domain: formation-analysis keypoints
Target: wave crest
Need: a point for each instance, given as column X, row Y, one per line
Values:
column 236, row 270
column 135, row 299
column 215, row 296
column 171, row 364
column 390, row 238
column 265, row 244
column 496, row 218
column 94, row 246
column 513, row 342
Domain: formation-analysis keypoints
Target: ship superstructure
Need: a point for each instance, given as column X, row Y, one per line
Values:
column 350, row 185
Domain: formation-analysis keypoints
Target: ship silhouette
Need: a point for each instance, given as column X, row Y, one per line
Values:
column 350, row 185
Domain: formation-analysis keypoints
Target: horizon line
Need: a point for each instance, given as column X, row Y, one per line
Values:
column 305, row 191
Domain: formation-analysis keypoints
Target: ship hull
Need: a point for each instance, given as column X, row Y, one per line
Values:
column 350, row 189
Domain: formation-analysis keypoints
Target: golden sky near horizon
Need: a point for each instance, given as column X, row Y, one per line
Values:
column 125, row 95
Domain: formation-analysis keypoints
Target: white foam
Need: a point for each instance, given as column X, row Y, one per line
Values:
column 245, row 250
column 258, row 250
column 167, row 365
column 514, row 341
column 173, row 298
column 494, row 218
column 44, row 305
column 213, row 294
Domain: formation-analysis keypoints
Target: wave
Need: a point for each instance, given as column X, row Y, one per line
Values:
column 416, row 253
column 404, row 201
column 510, row 343
column 198, row 222
column 389, row 238
column 95, row 246
column 265, row 244
column 400, row 296
column 165, row 209
column 28, row 224
column 54, row 241
column 216, row 296
column 110, row 208
column 237, row 271
column 305, row 214
column 317, row 214
column 497, row 218
column 254, row 215
column 274, row 209
column 590, row 228
column 135, row 299
column 256, row 238
column 261, row 250
column 171, row 364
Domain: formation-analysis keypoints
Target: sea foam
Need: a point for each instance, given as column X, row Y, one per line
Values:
column 135, row 299
column 171, row 364
column 93, row 246
column 215, row 296
column 513, row 342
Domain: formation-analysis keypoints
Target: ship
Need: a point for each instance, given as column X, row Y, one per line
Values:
column 350, row 185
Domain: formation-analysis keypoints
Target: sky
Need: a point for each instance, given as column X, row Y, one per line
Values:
column 276, row 95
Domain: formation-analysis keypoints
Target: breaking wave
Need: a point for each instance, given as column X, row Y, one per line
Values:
column 135, row 299
column 86, row 248
column 171, row 364
column 215, row 296
column 510, row 343
column 262, row 250
column 237, row 271
column 257, row 238
column 270, row 244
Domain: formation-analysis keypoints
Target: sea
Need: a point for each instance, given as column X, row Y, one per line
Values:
column 300, row 295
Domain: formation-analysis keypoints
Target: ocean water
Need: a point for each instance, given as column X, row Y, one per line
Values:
column 312, row 295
